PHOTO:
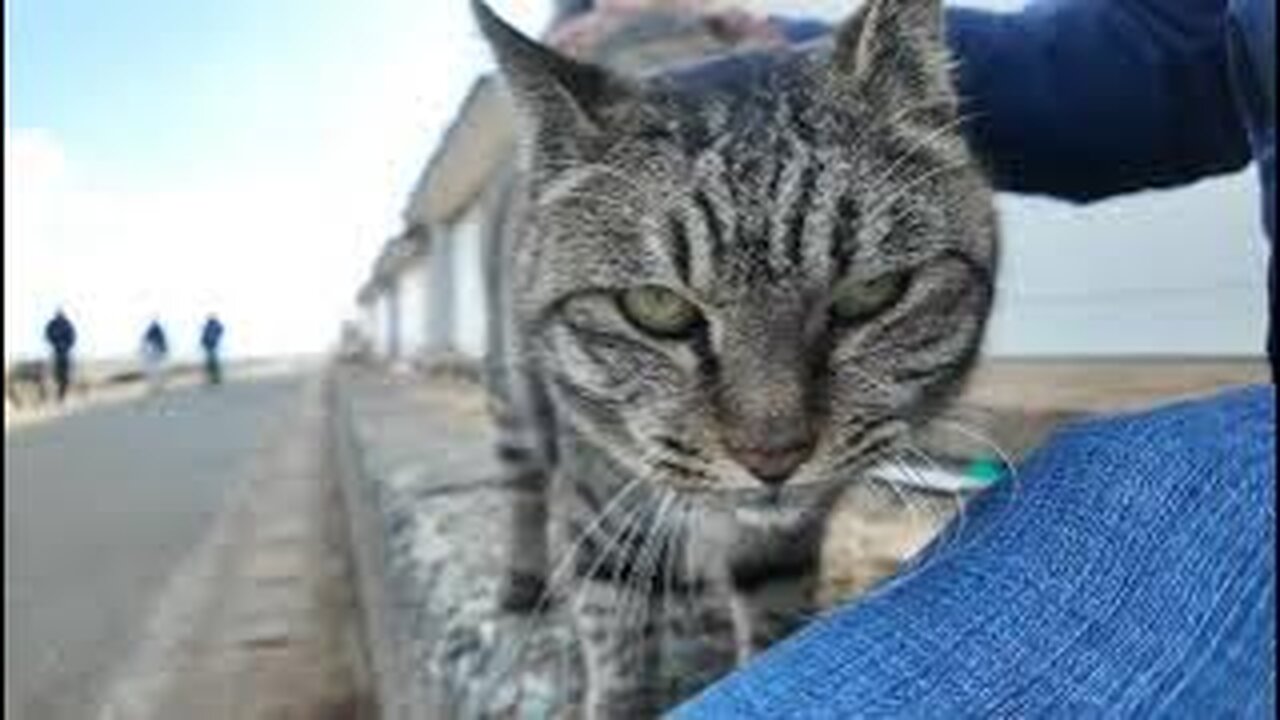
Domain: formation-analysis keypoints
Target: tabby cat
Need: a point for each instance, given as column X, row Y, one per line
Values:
column 722, row 292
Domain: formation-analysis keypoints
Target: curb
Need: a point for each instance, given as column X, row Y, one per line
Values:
column 396, row 695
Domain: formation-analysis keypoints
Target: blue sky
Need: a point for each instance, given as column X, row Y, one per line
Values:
column 245, row 156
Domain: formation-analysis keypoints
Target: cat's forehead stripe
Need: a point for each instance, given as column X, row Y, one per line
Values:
column 680, row 249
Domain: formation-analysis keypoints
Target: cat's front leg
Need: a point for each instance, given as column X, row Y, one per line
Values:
column 774, row 590
column 524, row 427
column 523, row 587
column 766, row 610
column 621, row 649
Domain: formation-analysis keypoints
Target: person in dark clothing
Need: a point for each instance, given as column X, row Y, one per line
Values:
column 60, row 333
column 210, row 338
column 155, row 348
column 155, row 340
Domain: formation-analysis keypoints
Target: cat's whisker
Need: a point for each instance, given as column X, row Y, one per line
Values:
column 669, row 553
column 888, row 177
column 952, row 534
column 648, row 562
column 556, row 577
column 614, row 544
column 933, row 523
column 631, row 568
column 565, row 563
column 869, row 450
column 912, row 508
column 682, row 565
column 1005, row 458
column 1011, row 468
column 957, row 497
column 930, row 104
column 900, row 190
column 617, row 548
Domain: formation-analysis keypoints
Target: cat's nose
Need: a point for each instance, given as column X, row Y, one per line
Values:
column 772, row 465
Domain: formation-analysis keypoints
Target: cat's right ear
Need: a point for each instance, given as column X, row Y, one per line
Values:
column 553, row 90
column 893, row 53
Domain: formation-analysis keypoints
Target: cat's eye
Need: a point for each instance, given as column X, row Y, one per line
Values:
column 859, row 298
column 659, row 311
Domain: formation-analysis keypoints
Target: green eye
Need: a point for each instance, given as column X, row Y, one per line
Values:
column 856, row 298
column 659, row 311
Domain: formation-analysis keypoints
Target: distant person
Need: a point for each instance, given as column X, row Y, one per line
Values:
column 210, row 338
column 155, row 349
column 61, row 336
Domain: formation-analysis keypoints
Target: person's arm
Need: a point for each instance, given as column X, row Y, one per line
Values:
column 1083, row 99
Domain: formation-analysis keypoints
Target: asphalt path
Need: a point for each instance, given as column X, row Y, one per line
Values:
column 101, row 506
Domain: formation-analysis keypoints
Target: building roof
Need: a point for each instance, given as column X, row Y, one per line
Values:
column 368, row 292
column 480, row 137
column 396, row 255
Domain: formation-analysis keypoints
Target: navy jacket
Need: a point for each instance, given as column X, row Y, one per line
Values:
column 1084, row 99
column 61, row 334
column 211, row 334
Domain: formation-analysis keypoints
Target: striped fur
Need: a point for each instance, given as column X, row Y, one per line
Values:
column 751, row 194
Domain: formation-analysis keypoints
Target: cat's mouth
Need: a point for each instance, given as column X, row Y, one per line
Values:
column 765, row 498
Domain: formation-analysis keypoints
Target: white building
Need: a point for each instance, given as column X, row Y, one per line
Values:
column 425, row 302
column 392, row 303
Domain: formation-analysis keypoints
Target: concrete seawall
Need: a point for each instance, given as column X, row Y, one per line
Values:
column 427, row 518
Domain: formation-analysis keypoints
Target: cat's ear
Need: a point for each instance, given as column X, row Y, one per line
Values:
column 553, row 90
column 893, row 52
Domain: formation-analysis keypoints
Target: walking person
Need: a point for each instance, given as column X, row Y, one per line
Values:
column 155, row 350
column 60, row 333
column 210, row 338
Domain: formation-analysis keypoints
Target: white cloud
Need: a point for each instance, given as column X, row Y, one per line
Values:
column 275, row 255
column 33, row 155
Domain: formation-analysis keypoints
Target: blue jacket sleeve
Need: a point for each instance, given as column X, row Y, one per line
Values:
column 1083, row 99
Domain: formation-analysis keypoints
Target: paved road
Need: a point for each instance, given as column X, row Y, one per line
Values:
column 100, row 507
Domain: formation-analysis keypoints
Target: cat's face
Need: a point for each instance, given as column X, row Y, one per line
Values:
column 760, row 284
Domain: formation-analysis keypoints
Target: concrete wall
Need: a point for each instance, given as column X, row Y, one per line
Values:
column 440, row 282
column 470, row 310
column 1180, row 272
column 386, row 341
column 367, row 322
column 414, row 307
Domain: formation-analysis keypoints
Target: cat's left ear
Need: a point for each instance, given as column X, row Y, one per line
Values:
column 893, row 53
column 555, row 91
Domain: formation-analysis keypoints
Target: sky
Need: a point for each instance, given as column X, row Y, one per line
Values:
column 250, row 157
column 244, row 157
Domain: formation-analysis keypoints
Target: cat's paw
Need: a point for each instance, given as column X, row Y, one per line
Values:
column 522, row 592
